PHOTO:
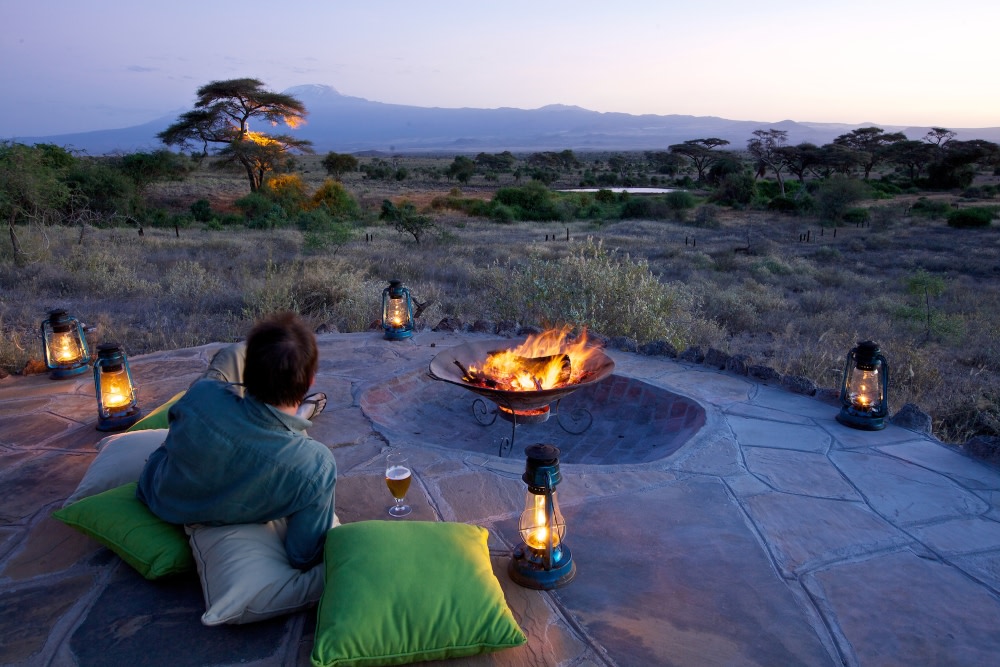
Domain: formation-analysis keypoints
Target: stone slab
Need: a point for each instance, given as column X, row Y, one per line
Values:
column 900, row 609
column 763, row 433
column 803, row 533
column 905, row 493
column 682, row 582
column 28, row 615
column 802, row 473
column 961, row 536
column 947, row 460
column 795, row 404
column 158, row 624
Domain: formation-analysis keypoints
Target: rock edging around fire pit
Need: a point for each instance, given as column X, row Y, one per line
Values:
column 633, row 421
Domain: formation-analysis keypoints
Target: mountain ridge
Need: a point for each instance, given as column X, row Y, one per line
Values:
column 349, row 124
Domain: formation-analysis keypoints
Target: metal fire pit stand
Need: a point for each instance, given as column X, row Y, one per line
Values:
column 574, row 422
column 518, row 407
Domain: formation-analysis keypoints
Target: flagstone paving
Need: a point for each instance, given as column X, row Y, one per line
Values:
column 761, row 532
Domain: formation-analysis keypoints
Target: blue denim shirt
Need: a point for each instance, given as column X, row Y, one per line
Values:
column 229, row 459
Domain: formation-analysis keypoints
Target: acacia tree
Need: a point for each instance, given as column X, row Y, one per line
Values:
column 222, row 116
column 766, row 149
column 871, row 140
column 32, row 190
column 699, row 151
column 338, row 164
column 939, row 136
column 801, row 159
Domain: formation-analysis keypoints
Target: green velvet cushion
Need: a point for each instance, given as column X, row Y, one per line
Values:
column 406, row 591
column 158, row 418
column 123, row 523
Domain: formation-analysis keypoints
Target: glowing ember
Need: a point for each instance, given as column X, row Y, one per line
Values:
column 544, row 361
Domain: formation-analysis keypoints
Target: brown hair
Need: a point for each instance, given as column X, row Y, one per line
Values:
column 281, row 360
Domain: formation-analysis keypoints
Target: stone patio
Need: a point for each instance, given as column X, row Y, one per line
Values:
column 748, row 528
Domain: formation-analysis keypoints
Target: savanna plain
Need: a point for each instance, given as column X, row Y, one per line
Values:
column 793, row 292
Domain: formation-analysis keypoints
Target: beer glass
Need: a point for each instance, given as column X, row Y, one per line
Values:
column 397, row 478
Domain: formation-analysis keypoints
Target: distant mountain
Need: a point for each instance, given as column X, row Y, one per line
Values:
column 353, row 124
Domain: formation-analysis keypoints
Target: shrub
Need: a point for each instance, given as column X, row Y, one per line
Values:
column 336, row 200
column 605, row 196
column 680, row 200
column 254, row 205
column 976, row 216
column 105, row 189
column 735, row 189
column 202, row 210
column 885, row 189
column 501, row 213
column 931, row 208
column 594, row 288
column 836, row 195
column 783, row 205
column 707, row 215
column 857, row 215
column 530, row 202
column 286, row 190
column 637, row 207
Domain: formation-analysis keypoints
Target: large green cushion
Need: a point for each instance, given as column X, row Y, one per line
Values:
column 123, row 523
column 404, row 591
column 159, row 417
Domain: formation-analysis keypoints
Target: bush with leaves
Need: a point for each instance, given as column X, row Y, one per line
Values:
column 930, row 208
column 338, row 164
column 735, row 189
column 533, row 201
column 976, row 216
column 102, row 188
column 594, row 288
column 202, row 210
column 288, row 191
column 405, row 218
column 337, row 201
column 835, row 196
column 322, row 231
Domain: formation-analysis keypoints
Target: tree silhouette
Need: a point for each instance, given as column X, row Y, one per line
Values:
column 222, row 116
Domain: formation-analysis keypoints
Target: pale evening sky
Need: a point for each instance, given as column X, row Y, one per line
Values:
column 72, row 65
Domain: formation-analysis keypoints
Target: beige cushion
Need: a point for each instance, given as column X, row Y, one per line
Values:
column 120, row 460
column 245, row 573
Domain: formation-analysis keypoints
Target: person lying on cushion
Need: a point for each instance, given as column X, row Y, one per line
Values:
column 231, row 459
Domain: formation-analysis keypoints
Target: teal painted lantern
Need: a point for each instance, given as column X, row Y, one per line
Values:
column 117, row 408
column 864, row 400
column 397, row 311
column 542, row 561
column 64, row 345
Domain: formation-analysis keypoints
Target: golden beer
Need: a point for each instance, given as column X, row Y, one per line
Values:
column 397, row 478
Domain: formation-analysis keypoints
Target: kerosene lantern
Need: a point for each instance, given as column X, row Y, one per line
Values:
column 64, row 345
column 116, row 401
column 542, row 561
column 397, row 311
column 864, row 400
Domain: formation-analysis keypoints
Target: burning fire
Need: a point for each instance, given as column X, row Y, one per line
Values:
column 544, row 361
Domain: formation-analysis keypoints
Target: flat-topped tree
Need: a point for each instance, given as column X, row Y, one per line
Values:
column 222, row 116
column 870, row 140
column 699, row 151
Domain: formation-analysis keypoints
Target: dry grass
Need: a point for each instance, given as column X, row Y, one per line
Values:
column 745, row 285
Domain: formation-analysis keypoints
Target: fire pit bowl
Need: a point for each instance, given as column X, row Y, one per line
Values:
column 596, row 367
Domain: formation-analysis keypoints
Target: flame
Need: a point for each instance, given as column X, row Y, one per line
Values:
column 116, row 390
column 538, row 536
column 64, row 348
column 544, row 361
